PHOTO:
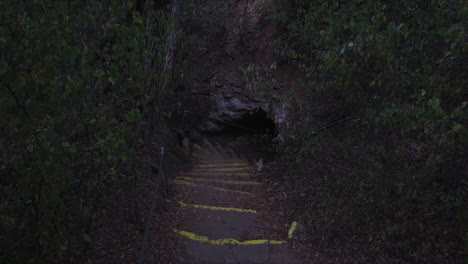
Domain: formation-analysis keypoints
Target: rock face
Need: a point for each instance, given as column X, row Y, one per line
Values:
column 227, row 40
column 281, row 122
column 229, row 109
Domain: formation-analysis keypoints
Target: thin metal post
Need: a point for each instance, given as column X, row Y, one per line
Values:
column 166, row 179
column 153, row 205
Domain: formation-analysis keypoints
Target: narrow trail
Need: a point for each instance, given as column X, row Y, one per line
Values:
column 219, row 202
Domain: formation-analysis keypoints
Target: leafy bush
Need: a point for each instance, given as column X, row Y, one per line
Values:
column 77, row 84
column 368, row 52
column 401, row 67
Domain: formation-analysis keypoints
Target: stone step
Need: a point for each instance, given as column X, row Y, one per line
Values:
column 215, row 208
column 221, row 207
column 200, row 149
column 219, row 161
column 203, row 253
column 209, row 146
column 240, row 176
column 232, row 154
column 202, row 155
column 223, row 165
column 214, row 196
column 223, row 169
column 228, row 184
column 220, row 224
column 220, row 149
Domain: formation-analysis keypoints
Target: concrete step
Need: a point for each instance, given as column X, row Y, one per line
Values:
column 221, row 203
column 202, row 154
column 200, row 149
column 202, row 253
column 198, row 193
column 215, row 160
column 220, row 149
column 232, row 154
column 208, row 145
column 247, row 185
column 223, row 169
column 239, row 176
column 223, row 165
column 220, row 224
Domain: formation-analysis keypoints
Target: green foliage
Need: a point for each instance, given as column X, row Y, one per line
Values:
column 369, row 51
column 401, row 67
column 76, row 80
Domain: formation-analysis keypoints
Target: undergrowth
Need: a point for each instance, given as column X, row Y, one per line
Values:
column 397, row 164
column 79, row 89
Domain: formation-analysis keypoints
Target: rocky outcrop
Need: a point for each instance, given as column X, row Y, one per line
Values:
column 220, row 53
column 229, row 110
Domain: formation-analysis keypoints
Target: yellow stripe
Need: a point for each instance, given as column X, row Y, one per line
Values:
column 241, row 174
column 225, row 241
column 207, row 161
column 216, row 208
column 292, row 229
column 229, row 190
column 209, row 144
column 218, row 181
column 221, row 169
column 213, row 187
column 185, row 183
column 197, row 146
column 214, row 165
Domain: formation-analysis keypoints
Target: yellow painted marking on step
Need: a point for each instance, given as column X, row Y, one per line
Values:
column 222, row 161
column 197, row 146
column 215, row 165
column 222, row 169
column 225, row 241
column 185, row 183
column 182, row 182
column 217, row 208
column 219, row 181
column 229, row 190
column 211, row 173
column 209, row 144
column 292, row 229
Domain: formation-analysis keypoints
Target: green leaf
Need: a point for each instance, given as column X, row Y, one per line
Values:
column 63, row 248
column 132, row 154
column 458, row 129
column 72, row 149
column 111, row 80
column 434, row 103
column 3, row 67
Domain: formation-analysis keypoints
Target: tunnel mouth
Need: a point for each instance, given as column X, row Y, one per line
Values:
column 255, row 133
column 256, row 123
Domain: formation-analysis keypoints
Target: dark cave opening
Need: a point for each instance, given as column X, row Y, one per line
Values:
column 253, row 135
column 256, row 122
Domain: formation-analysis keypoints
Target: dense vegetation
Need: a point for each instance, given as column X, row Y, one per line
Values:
column 78, row 82
column 83, row 84
column 400, row 70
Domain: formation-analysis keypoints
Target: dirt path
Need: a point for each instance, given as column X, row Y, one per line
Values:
column 220, row 216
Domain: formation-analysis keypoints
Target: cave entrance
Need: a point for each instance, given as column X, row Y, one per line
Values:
column 253, row 135
column 256, row 122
